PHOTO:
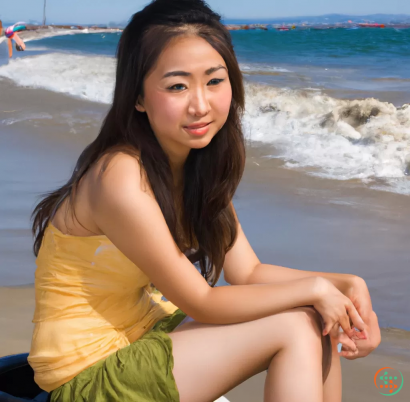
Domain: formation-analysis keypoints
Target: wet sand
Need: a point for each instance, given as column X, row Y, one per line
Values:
column 314, row 224
column 290, row 218
column 38, row 152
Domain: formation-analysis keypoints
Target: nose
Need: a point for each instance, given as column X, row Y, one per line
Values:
column 199, row 103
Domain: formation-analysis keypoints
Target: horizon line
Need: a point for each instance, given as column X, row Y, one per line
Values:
column 253, row 18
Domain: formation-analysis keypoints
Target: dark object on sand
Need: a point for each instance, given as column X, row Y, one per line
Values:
column 407, row 170
column 17, row 381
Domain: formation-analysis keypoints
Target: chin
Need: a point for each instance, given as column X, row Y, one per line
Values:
column 202, row 142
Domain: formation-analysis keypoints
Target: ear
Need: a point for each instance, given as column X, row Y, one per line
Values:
column 139, row 106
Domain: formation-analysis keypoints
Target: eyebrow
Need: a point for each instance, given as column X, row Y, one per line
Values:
column 186, row 74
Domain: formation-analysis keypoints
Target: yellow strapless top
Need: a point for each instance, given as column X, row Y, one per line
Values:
column 91, row 300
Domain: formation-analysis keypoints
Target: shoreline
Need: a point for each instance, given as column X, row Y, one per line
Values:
column 34, row 32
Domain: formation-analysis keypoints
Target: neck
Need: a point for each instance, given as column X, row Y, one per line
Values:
column 177, row 155
column 178, row 175
column 177, row 161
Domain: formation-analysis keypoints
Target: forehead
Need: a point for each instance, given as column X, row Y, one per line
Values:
column 189, row 54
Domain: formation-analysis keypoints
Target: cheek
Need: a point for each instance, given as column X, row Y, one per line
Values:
column 164, row 111
column 222, row 103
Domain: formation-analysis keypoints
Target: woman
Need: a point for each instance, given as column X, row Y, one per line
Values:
column 149, row 197
column 11, row 33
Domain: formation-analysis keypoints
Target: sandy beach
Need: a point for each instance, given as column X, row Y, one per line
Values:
column 290, row 218
column 16, row 310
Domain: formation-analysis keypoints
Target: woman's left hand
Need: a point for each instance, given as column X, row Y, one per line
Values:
column 370, row 338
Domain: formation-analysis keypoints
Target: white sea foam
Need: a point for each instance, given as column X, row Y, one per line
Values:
column 340, row 139
column 87, row 77
column 26, row 117
column 35, row 49
column 255, row 68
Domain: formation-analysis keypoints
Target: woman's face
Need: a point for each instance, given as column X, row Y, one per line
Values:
column 188, row 87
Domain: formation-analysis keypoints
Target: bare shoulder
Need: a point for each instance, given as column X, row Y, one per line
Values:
column 115, row 175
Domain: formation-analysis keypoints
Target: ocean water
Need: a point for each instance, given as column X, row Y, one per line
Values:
column 318, row 98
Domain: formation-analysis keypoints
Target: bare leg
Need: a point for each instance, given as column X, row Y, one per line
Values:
column 210, row 360
column 10, row 45
column 298, row 364
column 332, row 390
column 19, row 41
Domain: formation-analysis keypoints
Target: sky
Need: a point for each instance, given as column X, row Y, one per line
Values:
column 104, row 11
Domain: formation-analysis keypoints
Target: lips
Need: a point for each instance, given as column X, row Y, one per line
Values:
column 198, row 125
column 198, row 129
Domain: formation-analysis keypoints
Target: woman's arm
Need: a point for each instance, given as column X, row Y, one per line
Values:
column 242, row 267
column 266, row 273
column 125, row 210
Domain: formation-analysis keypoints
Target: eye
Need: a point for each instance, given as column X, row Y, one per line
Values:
column 216, row 81
column 175, row 87
column 180, row 87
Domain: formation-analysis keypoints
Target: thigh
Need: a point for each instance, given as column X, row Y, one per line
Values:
column 210, row 360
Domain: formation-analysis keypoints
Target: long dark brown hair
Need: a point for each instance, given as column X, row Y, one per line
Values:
column 212, row 173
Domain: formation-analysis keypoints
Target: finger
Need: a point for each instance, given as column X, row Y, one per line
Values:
column 347, row 343
column 349, row 354
column 327, row 328
column 344, row 323
column 355, row 317
column 334, row 332
column 360, row 335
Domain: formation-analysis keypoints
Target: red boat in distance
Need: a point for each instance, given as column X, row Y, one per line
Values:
column 283, row 29
column 365, row 25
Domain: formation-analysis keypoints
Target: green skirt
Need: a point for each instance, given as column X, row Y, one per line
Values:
column 140, row 372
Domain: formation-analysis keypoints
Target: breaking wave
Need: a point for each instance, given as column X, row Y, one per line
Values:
column 332, row 138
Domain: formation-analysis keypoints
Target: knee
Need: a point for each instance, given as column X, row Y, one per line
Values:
column 305, row 327
column 315, row 320
column 305, row 321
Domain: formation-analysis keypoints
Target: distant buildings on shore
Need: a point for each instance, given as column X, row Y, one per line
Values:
column 288, row 27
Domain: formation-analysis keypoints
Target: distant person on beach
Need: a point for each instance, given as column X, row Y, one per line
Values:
column 122, row 313
column 11, row 33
